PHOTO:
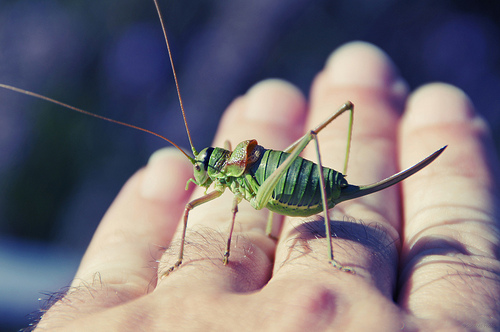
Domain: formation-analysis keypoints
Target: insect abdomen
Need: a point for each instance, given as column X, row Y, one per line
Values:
column 298, row 192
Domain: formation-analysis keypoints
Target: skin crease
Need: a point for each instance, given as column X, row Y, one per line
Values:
column 425, row 253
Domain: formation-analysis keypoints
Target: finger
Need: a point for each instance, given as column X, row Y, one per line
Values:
column 451, row 237
column 142, row 220
column 364, row 74
column 271, row 112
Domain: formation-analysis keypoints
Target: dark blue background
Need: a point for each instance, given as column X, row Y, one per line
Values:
column 59, row 170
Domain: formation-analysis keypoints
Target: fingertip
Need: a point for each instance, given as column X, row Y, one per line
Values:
column 362, row 64
column 272, row 111
column 439, row 114
column 275, row 101
column 165, row 176
column 437, row 104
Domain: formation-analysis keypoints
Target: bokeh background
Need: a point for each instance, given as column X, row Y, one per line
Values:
column 59, row 171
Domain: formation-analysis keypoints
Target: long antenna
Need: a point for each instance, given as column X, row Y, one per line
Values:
column 175, row 76
column 36, row 95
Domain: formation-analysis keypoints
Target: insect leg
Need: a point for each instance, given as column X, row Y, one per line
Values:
column 328, row 226
column 269, row 226
column 234, row 210
column 348, row 106
column 189, row 206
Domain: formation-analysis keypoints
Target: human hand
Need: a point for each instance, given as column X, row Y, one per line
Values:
column 426, row 256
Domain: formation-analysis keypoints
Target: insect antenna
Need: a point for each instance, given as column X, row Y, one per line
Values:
column 175, row 76
column 73, row 108
column 191, row 159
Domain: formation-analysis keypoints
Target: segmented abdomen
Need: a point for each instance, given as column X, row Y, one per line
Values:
column 298, row 192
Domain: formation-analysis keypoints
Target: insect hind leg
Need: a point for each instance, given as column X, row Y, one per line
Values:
column 328, row 226
column 295, row 149
column 348, row 106
column 268, row 186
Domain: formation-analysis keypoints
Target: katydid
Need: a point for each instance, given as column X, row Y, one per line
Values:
column 281, row 181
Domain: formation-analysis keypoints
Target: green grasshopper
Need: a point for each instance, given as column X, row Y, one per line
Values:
column 281, row 181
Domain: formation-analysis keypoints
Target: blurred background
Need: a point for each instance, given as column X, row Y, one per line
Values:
column 59, row 170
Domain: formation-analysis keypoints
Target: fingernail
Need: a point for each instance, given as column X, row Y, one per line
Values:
column 165, row 175
column 275, row 101
column 438, row 103
column 364, row 65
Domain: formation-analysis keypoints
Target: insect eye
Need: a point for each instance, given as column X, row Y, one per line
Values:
column 197, row 167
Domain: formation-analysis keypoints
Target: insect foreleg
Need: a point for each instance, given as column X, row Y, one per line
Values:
column 189, row 206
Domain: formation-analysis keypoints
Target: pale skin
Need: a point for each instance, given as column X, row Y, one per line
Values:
column 425, row 253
